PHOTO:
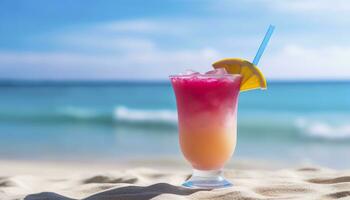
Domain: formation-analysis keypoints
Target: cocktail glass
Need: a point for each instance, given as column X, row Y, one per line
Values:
column 207, row 122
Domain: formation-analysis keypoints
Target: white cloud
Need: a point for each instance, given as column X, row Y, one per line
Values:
column 152, row 64
column 295, row 6
column 148, row 26
column 296, row 12
column 108, row 51
column 292, row 62
column 49, row 59
column 298, row 62
column 132, row 50
column 111, row 44
column 132, row 26
column 310, row 6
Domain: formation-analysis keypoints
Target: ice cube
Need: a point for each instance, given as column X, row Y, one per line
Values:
column 220, row 71
column 190, row 72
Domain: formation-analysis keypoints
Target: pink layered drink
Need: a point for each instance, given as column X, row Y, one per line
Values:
column 207, row 109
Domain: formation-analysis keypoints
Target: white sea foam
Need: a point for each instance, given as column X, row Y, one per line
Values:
column 142, row 115
column 78, row 112
column 324, row 129
column 120, row 114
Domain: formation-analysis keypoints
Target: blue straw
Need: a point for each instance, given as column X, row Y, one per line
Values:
column 263, row 45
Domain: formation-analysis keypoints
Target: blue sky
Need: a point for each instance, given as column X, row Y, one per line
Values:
column 85, row 39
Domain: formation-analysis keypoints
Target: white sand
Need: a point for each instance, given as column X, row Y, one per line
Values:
column 91, row 181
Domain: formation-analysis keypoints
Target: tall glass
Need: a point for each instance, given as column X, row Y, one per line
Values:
column 207, row 114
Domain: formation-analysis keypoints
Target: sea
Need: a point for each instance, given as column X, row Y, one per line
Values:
column 291, row 122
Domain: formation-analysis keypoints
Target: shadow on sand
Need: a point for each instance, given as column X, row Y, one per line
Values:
column 125, row 193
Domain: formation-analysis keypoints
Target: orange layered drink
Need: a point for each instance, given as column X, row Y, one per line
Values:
column 207, row 117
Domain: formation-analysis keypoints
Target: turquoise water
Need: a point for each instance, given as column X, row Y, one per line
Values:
column 290, row 122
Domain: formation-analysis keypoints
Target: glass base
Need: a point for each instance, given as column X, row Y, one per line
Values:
column 211, row 179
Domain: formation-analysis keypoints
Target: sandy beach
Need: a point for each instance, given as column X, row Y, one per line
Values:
column 92, row 181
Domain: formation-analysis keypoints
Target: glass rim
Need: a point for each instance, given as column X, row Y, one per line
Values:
column 217, row 76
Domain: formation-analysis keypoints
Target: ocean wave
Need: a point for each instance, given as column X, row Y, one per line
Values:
column 79, row 113
column 120, row 115
column 124, row 114
column 65, row 114
column 323, row 129
column 314, row 126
